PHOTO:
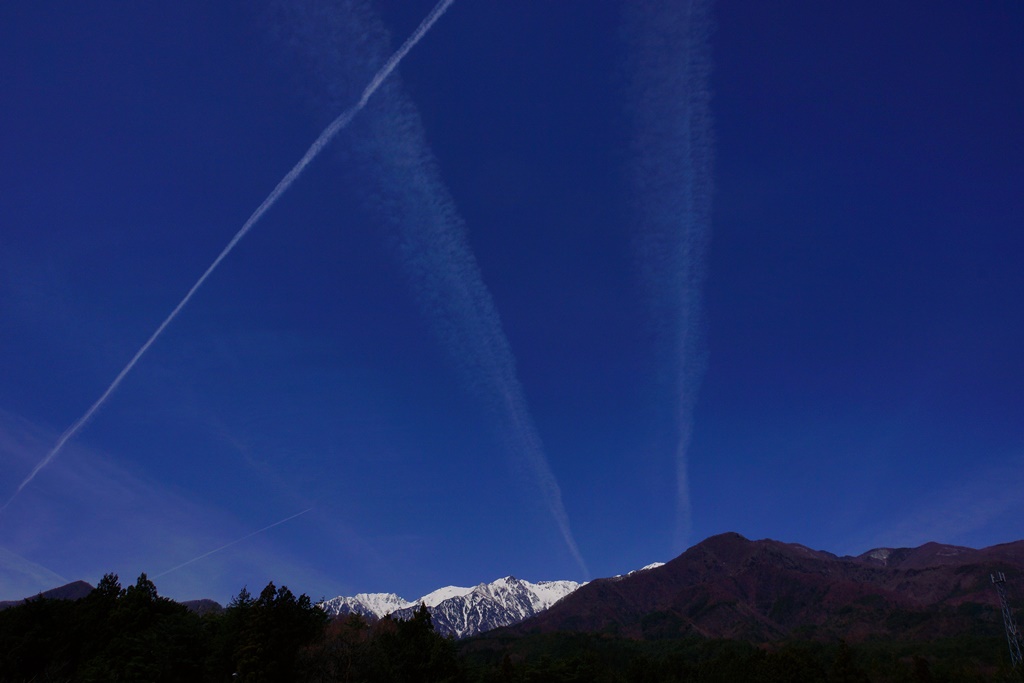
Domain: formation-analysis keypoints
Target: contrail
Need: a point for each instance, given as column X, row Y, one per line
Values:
column 406, row 189
column 450, row 288
column 314, row 149
column 14, row 565
column 228, row 545
column 673, row 150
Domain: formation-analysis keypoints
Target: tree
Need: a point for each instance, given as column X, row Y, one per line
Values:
column 844, row 669
column 423, row 654
column 274, row 628
column 139, row 636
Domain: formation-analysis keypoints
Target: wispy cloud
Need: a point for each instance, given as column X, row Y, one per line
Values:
column 91, row 516
column 325, row 137
column 451, row 291
column 410, row 195
column 961, row 512
column 228, row 545
column 21, row 578
column 672, row 183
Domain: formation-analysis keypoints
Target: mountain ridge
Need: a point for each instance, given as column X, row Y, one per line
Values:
column 730, row 587
column 726, row 586
column 460, row 611
column 69, row 591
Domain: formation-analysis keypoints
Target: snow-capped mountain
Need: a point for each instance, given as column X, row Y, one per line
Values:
column 652, row 565
column 491, row 605
column 459, row 611
column 375, row 605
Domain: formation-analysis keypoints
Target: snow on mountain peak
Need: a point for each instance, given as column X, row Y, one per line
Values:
column 375, row 605
column 460, row 611
column 502, row 602
column 435, row 598
column 547, row 593
column 652, row 565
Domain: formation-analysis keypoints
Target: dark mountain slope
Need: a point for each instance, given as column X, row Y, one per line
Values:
column 731, row 587
column 69, row 591
column 76, row 590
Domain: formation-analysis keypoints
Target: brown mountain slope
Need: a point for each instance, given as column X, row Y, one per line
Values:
column 728, row 586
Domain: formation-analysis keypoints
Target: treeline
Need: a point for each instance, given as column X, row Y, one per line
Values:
column 601, row 658
column 133, row 634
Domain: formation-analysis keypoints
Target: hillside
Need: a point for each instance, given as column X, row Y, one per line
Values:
column 731, row 587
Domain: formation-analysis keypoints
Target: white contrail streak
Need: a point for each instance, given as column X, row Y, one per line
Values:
column 404, row 186
column 451, row 291
column 314, row 149
column 673, row 187
column 228, row 545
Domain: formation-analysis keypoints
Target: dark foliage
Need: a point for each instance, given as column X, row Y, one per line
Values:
column 565, row 657
column 132, row 634
column 387, row 650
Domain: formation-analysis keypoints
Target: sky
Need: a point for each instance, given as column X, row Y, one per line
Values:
column 573, row 287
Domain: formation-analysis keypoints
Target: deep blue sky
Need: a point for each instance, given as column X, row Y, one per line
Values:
column 861, row 313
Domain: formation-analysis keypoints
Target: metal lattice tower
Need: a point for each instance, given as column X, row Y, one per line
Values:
column 1012, row 632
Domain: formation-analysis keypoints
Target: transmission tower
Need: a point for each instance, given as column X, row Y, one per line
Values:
column 1012, row 632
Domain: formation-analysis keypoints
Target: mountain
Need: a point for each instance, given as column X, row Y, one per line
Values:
column 203, row 606
column 459, row 611
column 372, row 605
column 76, row 590
column 731, row 587
column 69, row 591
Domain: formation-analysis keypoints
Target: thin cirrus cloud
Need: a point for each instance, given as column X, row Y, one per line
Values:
column 322, row 141
column 451, row 291
column 89, row 507
column 228, row 545
column 109, row 519
column 21, row 577
column 410, row 196
column 959, row 513
column 672, row 150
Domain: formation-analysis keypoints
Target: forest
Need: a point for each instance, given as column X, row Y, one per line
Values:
column 133, row 634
